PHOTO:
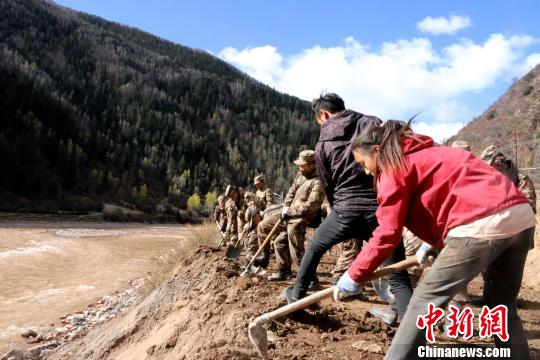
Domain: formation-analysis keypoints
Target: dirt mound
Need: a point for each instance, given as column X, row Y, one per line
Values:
column 203, row 312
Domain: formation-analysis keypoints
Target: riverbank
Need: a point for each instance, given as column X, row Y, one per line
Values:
column 202, row 312
column 52, row 269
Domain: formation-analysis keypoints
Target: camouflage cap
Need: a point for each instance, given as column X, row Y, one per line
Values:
column 220, row 198
column 490, row 153
column 258, row 178
column 229, row 190
column 305, row 157
column 461, row 144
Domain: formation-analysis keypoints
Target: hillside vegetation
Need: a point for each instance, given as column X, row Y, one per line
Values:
column 94, row 111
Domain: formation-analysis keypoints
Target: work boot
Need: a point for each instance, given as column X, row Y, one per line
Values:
column 280, row 275
column 292, row 294
column 263, row 260
column 387, row 314
column 314, row 284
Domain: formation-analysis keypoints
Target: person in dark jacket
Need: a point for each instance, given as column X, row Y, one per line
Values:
column 350, row 194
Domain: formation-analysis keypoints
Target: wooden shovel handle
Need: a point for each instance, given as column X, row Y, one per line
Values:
column 263, row 245
column 320, row 295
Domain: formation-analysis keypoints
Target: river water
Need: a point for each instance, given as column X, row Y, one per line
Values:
column 50, row 269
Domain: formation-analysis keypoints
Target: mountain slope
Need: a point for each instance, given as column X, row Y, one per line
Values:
column 93, row 108
column 512, row 121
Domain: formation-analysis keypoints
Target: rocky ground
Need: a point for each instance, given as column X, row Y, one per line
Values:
column 203, row 310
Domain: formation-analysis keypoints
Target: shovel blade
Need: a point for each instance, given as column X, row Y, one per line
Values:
column 252, row 270
column 258, row 337
column 233, row 252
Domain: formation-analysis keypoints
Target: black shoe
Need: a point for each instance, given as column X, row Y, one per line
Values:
column 280, row 276
column 291, row 295
column 263, row 260
column 387, row 314
column 314, row 284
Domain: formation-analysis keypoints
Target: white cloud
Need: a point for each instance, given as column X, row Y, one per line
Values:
column 438, row 131
column 441, row 25
column 397, row 80
column 527, row 65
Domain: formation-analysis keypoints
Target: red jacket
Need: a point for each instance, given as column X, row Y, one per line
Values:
column 439, row 189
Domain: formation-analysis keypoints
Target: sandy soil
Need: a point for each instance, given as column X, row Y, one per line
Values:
column 203, row 311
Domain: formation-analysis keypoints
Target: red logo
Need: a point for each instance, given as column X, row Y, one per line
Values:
column 494, row 322
column 490, row 322
column 429, row 320
column 460, row 322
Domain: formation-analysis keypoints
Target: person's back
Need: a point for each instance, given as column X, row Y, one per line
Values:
column 349, row 190
column 346, row 185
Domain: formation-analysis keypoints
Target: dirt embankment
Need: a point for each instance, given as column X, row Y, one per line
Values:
column 203, row 311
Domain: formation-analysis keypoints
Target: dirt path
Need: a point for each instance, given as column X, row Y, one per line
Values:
column 203, row 311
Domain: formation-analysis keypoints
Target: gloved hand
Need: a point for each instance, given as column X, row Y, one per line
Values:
column 346, row 287
column 426, row 254
column 285, row 212
column 246, row 227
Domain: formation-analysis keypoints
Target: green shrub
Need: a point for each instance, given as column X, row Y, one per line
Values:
column 194, row 201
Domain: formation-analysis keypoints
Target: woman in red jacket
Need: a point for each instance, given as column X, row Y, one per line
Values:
column 453, row 202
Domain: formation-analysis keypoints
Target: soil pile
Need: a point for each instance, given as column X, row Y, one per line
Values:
column 203, row 311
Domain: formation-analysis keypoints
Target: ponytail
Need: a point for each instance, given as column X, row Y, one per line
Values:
column 388, row 137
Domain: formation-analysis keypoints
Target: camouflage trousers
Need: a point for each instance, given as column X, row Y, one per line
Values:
column 251, row 243
column 289, row 246
column 231, row 236
column 267, row 224
column 348, row 251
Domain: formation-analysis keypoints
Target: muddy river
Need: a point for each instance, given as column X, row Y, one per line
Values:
column 49, row 269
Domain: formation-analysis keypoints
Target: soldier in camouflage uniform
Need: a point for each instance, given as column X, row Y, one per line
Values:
column 242, row 207
column 219, row 213
column 494, row 157
column 265, row 195
column 301, row 206
column 231, row 209
column 252, row 219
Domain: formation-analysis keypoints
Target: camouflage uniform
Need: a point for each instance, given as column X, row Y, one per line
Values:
column 252, row 219
column 508, row 168
column 231, row 231
column 242, row 207
column 220, row 216
column 304, row 200
column 265, row 197
column 526, row 186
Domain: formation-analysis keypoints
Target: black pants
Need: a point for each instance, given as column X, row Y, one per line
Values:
column 342, row 225
column 400, row 282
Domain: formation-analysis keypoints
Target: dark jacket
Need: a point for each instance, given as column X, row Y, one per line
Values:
column 345, row 183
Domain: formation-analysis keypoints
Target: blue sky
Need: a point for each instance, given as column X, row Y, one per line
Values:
column 375, row 54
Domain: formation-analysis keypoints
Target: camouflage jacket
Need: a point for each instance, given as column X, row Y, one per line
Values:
column 304, row 198
column 526, row 186
column 232, row 216
column 220, row 216
column 266, row 198
column 252, row 212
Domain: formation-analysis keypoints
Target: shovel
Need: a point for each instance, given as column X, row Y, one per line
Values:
column 249, row 267
column 257, row 333
column 233, row 251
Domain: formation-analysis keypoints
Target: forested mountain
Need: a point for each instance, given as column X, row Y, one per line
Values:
column 512, row 123
column 90, row 108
